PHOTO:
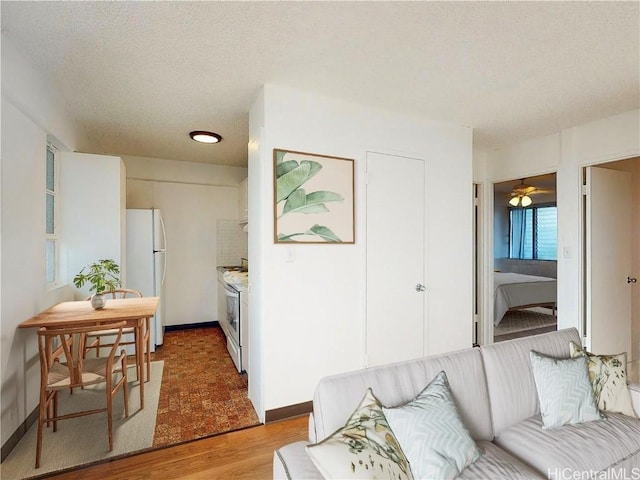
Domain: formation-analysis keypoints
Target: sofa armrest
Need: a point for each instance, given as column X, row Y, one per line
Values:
column 292, row 462
column 313, row 438
column 634, row 388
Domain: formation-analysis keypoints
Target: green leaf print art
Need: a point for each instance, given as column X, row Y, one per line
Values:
column 293, row 171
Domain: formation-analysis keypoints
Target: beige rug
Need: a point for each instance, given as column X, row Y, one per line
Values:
column 85, row 440
column 522, row 320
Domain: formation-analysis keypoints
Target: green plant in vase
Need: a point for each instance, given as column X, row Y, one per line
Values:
column 103, row 276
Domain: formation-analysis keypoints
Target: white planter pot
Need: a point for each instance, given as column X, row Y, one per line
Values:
column 98, row 301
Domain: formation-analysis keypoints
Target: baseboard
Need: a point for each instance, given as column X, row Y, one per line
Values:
column 187, row 326
column 20, row 432
column 289, row 411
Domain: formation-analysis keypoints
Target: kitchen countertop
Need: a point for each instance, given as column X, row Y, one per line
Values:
column 235, row 276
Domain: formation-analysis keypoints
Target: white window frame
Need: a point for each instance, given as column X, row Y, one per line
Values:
column 53, row 237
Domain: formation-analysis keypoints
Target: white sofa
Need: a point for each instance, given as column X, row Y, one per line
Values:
column 494, row 390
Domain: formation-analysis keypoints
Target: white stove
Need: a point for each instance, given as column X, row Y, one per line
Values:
column 233, row 282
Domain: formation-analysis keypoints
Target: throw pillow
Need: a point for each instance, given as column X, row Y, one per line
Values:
column 609, row 380
column 365, row 448
column 431, row 433
column 564, row 390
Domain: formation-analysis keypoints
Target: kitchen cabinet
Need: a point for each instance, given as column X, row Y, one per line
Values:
column 243, row 202
column 92, row 212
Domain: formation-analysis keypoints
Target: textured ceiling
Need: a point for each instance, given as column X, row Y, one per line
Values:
column 138, row 76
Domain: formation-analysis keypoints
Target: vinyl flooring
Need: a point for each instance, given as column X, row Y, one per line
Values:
column 202, row 393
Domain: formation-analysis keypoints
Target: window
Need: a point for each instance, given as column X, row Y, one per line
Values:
column 51, row 192
column 533, row 232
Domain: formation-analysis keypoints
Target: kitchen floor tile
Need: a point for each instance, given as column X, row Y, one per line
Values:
column 202, row 393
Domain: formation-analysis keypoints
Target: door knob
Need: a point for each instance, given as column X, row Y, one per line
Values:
column 631, row 280
column 420, row 288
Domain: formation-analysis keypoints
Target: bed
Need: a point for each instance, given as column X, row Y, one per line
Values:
column 515, row 290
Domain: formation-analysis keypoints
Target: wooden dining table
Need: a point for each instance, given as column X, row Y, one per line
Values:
column 136, row 312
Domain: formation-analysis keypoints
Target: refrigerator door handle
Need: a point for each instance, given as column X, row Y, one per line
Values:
column 164, row 270
column 164, row 233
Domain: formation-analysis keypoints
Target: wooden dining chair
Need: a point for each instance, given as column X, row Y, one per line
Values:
column 62, row 366
column 95, row 340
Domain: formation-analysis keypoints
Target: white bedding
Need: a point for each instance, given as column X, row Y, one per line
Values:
column 515, row 290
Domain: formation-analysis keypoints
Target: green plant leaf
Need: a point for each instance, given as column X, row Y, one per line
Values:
column 323, row 232
column 296, row 200
column 102, row 275
column 280, row 156
column 314, row 167
column 322, row 196
column 285, row 167
column 283, row 237
column 290, row 181
column 314, row 202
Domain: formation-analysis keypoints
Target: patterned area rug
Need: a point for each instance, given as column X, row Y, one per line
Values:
column 522, row 320
column 202, row 393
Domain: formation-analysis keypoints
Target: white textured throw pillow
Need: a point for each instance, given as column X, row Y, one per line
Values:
column 564, row 390
column 608, row 377
column 431, row 433
column 365, row 448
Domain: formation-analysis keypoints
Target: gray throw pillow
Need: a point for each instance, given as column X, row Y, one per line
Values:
column 431, row 433
column 564, row 390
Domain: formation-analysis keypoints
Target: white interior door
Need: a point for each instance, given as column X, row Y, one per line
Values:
column 608, row 261
column 395, row 258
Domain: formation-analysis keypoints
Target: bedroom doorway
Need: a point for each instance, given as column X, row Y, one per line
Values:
column 525, row 226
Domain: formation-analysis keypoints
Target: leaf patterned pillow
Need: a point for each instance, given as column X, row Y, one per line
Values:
column 608, row 377
column 365, row 448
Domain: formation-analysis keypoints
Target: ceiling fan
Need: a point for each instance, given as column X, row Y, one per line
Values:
column 520, row 194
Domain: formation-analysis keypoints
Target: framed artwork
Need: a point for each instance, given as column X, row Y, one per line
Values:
column 313, row 198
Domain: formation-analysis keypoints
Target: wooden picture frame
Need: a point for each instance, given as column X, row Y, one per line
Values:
column 313, row 198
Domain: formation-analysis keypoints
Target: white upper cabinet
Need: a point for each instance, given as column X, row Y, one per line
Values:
column 243, row 202
column 92, row 211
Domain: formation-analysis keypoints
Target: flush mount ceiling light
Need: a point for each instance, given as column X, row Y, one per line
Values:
column 205, row 137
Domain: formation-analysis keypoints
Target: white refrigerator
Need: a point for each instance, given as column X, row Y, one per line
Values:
column 147, row 262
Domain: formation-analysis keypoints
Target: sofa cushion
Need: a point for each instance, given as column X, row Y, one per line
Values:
column 497, row 464
column 509, row 378
column 292, row 461
column 364, row 448
column 431, row 434
column 398, row 383
column 609, row 380
column 564, row 390
column 585, row 447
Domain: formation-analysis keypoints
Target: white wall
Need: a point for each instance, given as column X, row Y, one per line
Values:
column 566, row 152
column 192, row 197
column 31, row 115
column 24, row 291
column 309, row 299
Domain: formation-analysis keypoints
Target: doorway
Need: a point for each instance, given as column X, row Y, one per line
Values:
column 612, row 260
column 524, row 292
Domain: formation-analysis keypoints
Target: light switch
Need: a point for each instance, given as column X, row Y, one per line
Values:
column 566, row 252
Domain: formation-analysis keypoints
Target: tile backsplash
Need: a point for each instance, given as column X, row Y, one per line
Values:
column 232, row 242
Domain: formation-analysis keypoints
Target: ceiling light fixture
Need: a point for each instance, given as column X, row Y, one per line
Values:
column 205, row 137
column 520, row 201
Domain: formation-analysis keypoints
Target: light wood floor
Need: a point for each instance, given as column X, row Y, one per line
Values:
column 245, row 454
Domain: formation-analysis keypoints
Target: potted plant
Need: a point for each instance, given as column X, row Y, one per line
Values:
column 103, row 277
